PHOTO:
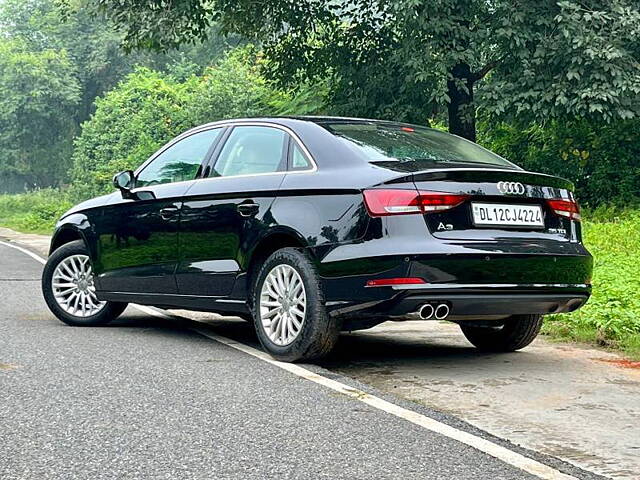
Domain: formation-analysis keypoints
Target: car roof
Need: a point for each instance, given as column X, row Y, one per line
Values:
column 291, row 120
column 332, row 119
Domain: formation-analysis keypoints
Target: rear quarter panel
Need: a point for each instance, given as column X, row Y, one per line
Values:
column 323, row 212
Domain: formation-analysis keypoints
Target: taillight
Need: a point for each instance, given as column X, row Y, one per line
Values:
column 565, row 208
column 402, row 202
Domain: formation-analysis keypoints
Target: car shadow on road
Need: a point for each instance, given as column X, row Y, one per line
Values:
column 129, row 321
column 401, row 349
column 414, row 347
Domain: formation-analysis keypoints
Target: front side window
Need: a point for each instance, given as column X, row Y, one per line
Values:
column 400, row 143
column 252, row 150
column 180, row 161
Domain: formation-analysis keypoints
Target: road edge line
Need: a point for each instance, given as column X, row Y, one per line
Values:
column 35, row 256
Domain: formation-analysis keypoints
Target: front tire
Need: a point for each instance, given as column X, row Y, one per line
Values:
column 517, row 332
column 288, row 308
column 67, row 286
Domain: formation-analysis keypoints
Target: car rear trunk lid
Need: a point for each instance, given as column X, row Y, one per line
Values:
column 502, row 204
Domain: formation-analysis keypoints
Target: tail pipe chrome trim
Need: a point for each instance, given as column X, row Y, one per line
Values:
column 442, row 311
column 426, row 311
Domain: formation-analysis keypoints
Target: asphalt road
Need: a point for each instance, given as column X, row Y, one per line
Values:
column 570, row 401
column 149, row 398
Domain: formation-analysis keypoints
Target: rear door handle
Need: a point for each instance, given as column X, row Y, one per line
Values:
column 168, row 213
column 248, row 208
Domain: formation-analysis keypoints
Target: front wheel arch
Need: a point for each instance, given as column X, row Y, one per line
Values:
column 109, row 310
column 64, row 236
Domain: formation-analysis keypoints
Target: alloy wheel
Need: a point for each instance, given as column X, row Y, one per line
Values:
column 73, row 287
column 283, row 304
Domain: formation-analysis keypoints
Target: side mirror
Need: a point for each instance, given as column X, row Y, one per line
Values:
column 126, row 182
column 123, row 181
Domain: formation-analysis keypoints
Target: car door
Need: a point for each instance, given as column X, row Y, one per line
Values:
column 223, row 213
column 138, row 237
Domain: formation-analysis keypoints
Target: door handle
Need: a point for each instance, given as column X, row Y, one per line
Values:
column 168, row 213
column 248, row 208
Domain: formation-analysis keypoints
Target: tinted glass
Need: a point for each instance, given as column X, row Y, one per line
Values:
column 299, row 160
column 180, row 161
column 398, row 143
column 252, row 150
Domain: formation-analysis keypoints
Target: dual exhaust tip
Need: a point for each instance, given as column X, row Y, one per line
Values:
column 439, row 311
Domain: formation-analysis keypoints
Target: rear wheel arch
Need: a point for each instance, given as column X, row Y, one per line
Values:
column 268, row 245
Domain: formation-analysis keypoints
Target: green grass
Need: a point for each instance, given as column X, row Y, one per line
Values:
column 34, row 212
column 611, row 318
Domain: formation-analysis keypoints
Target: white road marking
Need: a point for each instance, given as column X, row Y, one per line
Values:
column 25, row 251
column 510, row 457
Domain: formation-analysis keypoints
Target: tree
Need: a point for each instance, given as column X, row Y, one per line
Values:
column 93, row 45
column 38, row 93
column 86, row 49
column 149, row 108
column 408, row 59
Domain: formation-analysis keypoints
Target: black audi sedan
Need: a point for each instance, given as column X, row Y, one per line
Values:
column 307, row 226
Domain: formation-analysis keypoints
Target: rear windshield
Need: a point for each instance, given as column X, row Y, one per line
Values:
column 401, row 143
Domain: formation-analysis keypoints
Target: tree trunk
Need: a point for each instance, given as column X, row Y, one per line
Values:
column 462, row 115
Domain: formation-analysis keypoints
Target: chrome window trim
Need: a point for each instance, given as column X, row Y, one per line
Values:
column 231, row 124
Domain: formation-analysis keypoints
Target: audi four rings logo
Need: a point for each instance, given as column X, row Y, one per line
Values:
column 515, row 188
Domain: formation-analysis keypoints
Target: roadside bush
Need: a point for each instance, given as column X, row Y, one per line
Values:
column 149, row 108
column 612, row 316
column 603, row 161
column 34, row 212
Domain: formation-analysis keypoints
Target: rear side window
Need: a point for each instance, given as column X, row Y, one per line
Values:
column 401, row 143
column 299, row 160
column 252, row 150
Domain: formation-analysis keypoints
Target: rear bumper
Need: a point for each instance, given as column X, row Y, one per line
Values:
column 472, row 285
column 484, row 300
column 477, row 302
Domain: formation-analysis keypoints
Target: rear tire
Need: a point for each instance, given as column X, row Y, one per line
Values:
column 309, row 336
column 517, row 332
column 94, row 312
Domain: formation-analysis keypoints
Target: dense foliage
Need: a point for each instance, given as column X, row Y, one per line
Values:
column 406, row 58
column 34, row 212
column 51, row 70
column 39, row 94
column 149, row 108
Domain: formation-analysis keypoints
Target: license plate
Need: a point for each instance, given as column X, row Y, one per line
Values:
column 500, row 214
